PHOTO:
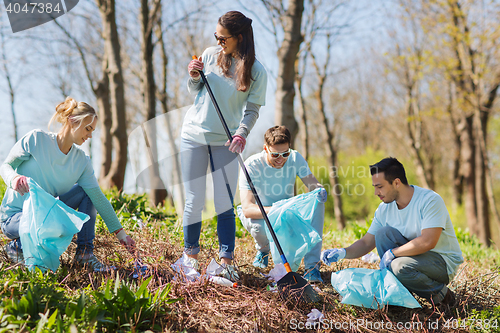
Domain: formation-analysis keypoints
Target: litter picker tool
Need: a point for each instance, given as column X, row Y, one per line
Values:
column 292, row 284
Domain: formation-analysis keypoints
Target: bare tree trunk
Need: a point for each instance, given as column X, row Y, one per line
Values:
column 163, row 97
column 304, row 138
column 457, row 127
column 12, row 108
column 287, row 55
column 331, row 154
column 468, row 154
column 491, row 196
column 330, row 149
column 158, row 192
column 415, row 124
column 299, row 77
column 101, row 92
column 9, row 83
column 468, row 81
column 412, row 58
column 484, row 232
column 116, row 174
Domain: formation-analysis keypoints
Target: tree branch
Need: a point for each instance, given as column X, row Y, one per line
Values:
column 80, row 51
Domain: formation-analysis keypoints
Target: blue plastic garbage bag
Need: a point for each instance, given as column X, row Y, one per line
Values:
column 46, row 228
column 372, row 288
column 291, row 221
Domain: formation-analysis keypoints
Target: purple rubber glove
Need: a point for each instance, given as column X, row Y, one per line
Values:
column 20, row 184
column 237, row 145
column 194, row 68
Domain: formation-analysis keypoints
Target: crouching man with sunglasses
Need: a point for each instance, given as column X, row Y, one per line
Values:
column 273, row 172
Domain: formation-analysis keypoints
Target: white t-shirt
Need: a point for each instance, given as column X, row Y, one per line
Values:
column 202, row 124
column 274, row 184
column 425, row 210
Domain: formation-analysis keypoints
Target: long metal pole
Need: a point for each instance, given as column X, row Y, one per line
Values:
column 247, row 175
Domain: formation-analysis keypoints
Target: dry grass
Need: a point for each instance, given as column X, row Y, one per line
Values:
column 205, row 307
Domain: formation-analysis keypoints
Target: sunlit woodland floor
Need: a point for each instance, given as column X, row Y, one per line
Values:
column 205, row 307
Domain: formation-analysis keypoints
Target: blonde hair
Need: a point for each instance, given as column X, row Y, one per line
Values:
column 71, row 111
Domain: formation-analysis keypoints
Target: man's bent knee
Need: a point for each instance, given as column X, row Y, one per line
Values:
column 401, row 269
column 385, row 232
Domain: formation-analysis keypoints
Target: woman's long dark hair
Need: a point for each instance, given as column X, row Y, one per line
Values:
column 238, row 24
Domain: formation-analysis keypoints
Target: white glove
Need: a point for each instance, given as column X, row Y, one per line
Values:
column 332, row 255
column 322, row 195
column 387, row 258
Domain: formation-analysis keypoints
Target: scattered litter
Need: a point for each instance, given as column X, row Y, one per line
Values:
column 370, row 258
column 315, row 287
column 222, row 281
column 183, row 265
column 214, row 268
column 139, row 222
column 139, row 269
column 272, row 287
column 315, row 316
column 277, row 272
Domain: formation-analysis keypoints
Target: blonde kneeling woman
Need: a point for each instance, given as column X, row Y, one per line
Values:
column 57, row 163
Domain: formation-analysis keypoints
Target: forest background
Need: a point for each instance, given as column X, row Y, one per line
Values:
column 355, row 81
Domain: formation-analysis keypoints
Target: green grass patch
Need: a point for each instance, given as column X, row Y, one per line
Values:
column 38, row 302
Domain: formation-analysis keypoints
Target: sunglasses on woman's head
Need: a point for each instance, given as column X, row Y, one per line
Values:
column 276, row 155
column 222, row 40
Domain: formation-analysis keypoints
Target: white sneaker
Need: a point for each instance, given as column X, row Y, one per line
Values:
column 195, row 264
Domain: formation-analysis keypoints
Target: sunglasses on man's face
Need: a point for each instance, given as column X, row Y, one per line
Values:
column 222, row 40
column 276, row 155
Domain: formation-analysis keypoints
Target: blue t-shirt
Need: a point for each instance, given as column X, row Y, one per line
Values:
column 274, row 184
column 37, row 155
column 425, row 210
column 201, row 123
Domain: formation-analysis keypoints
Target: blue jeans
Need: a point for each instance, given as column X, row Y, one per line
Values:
column 425, row 274
column 75, row 198
column 195, row 159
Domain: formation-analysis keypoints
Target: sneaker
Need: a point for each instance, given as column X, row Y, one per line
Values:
column 229, row 272
column 93, row 263
column 447, row 302
column 261, row 259
column 14, row 253
column 313, row 275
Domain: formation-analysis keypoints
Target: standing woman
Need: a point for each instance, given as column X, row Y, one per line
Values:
column 238, row 82
column 56, row 163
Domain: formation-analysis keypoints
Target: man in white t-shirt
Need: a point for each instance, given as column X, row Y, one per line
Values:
column 273, row 172
column 413, row 234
